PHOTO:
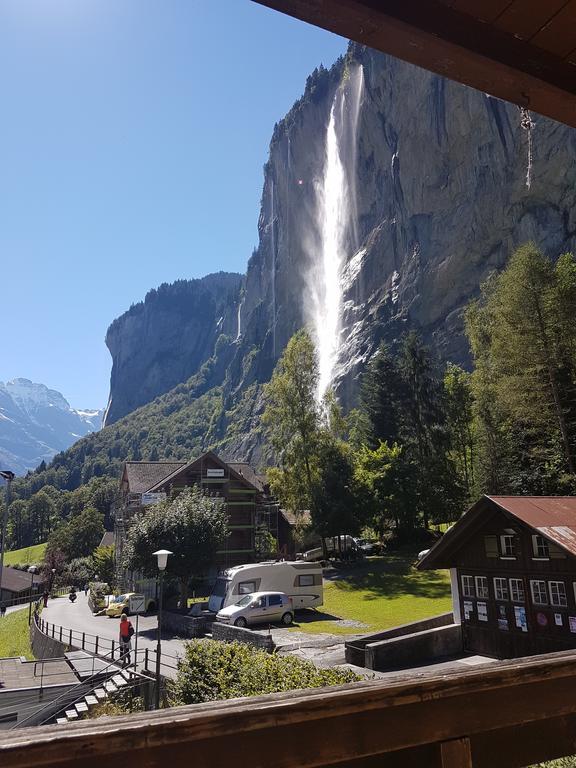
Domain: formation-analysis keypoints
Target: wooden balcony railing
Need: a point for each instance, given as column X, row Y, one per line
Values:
column 508, row 714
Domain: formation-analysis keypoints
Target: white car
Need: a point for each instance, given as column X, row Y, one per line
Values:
column 258, row 608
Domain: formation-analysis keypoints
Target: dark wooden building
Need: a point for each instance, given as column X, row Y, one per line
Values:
column 513, row 570
column 250, row 508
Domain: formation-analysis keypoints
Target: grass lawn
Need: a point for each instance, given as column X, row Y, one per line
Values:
column 14, row 635
column 27, row 556
column 380, row 592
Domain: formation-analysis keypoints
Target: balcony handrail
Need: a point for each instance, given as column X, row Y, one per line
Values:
column 505, row 714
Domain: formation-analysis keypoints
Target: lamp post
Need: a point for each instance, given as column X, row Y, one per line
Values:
column 162, row 557
column 52, row 580
column 8, row 476
column 32, row 570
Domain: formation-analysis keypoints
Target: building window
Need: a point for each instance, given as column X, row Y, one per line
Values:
column 246, row 587
column 558, row 593
column 306, row 580
column 500, row 588
column 540, row 547
column 539, row 593
column 517, row 590
column 507, row 548
column 468, row 586
column 482, row 587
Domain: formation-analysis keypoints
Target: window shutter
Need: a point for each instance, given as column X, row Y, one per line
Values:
column 491, row 545
column 556, row 551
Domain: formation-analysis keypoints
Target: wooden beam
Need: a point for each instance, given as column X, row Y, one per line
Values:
column 431, row 35
column 456, row 753
column 349, row 725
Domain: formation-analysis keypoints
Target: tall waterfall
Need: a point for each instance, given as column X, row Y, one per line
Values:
column 273, row 265
column 336, row 222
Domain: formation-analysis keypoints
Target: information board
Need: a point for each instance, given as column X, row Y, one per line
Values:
column 137, row 604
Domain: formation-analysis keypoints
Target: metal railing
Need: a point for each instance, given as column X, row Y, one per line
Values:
column 141, row 658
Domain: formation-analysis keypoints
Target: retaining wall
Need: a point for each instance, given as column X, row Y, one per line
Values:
column 415, row 649
column 228, row 634
column 355, row 650
column 45, row 647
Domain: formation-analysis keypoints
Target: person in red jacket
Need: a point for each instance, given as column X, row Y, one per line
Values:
column 126, row 632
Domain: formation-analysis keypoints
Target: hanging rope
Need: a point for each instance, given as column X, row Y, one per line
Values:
column 527, row 124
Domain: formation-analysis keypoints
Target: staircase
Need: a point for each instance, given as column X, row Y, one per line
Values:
column 119, row 680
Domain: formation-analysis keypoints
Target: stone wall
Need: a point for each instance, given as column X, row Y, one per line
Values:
column 356, row 649
column 228, row 634
column 186, row 626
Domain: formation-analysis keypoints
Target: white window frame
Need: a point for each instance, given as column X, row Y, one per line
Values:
column 544, row 589
column 540, row 548
column 482, row 591
column 468, row 588
column 557, row 595
column 501, row 588
column 514, row 590
column 242, row 587
column 507, row 543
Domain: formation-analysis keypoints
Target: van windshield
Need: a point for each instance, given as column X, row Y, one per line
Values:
column 245, row 601
column 220, row 587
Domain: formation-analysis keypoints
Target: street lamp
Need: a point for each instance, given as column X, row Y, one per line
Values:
column 8, row 476
column 162, row 557
column 32, row 570
column 52, row 580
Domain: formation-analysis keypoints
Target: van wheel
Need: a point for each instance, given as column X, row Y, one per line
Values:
column 240, row 622
column 287, row 619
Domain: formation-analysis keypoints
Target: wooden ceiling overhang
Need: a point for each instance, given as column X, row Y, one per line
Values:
column 523, row 51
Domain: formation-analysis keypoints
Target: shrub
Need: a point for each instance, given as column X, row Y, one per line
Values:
column 212, row 670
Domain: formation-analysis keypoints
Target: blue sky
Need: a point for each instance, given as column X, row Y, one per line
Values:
column 132, row 140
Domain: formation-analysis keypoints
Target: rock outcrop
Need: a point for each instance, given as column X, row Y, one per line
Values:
column 165, row 339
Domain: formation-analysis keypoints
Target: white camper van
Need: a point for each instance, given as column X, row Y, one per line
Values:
column 300, row 581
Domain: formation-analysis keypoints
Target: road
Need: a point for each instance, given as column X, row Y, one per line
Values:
column 79, row 618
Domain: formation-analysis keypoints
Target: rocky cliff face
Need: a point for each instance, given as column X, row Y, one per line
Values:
column 165, row 339
column 435, row 198
column 439, row 181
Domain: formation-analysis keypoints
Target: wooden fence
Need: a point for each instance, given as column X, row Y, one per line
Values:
column 510, row 714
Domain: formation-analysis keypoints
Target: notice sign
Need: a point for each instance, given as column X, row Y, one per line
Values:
column 572, row 623
column 520, row 617
column 468, row 608
column 482, row 612
column 214, row 473
column 152, row 498
column 137, row 604
column 558, row 619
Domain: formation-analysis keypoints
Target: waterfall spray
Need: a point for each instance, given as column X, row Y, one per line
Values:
column 336, row 221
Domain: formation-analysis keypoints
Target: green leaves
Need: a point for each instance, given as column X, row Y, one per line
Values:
column 213, row 671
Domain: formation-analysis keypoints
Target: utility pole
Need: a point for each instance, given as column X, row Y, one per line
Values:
column 8, row 476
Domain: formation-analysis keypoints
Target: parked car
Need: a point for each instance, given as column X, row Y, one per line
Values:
column 368, row 547
column 258, row 608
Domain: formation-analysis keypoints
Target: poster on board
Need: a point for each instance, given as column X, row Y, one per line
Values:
column 468, row 609
column 482, row 612
column 520, row 617
column 572, row 623
column 558, row 619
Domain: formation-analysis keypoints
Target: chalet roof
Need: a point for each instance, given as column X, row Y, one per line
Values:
column 196, row 463
column 248, row 472
column 553, row 517
column 142, row 475
column 291, row 518
column 14, row 580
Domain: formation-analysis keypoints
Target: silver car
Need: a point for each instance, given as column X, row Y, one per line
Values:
column 258, row 608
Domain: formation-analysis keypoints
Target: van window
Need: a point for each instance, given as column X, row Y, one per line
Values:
column 246, row 587
column 275, row 600
column 306, row 580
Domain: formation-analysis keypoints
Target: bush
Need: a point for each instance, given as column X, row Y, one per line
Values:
column 212, row 671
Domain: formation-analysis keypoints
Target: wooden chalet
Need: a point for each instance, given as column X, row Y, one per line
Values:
column 248, row 504
column 513, row 570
